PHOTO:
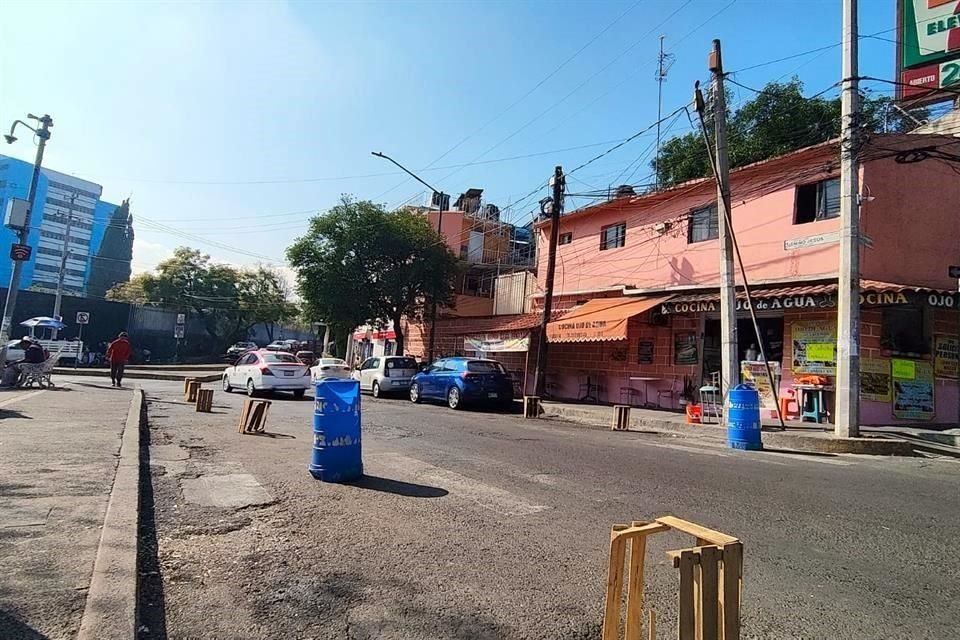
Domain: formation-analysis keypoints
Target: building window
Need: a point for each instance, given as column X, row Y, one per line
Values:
column 704, row 225
column 904, row 330
column 818, row 201
column 614, row 236
column 566, row 238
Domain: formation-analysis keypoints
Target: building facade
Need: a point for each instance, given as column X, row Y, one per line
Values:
column 637, row 281
column 59, row 197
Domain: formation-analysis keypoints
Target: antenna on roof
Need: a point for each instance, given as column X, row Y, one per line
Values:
column 664, row 62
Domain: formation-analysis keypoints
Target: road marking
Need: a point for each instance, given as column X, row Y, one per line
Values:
column 22, row 396
column 485, row 495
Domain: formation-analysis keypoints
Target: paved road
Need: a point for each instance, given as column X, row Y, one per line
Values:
column 475, row 525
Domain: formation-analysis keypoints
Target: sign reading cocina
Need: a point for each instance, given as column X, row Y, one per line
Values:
column 824, row 301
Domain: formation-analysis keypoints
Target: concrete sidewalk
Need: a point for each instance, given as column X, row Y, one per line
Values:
column 59, row 452
column 798, row 437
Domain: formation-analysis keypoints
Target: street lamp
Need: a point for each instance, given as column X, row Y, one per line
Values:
column 439, row 197
column 42, row 132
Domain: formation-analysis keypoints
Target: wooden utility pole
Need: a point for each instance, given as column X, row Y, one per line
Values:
column 556, row 208
column 847, row 413
column 58, row 300
column 729, row 350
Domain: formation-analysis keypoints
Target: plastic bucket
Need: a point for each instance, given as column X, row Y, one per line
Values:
column 694, row 414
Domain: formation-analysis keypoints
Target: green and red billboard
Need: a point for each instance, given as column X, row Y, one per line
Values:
column 929, row 49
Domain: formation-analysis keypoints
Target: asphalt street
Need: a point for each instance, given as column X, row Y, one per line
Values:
column 479, row 525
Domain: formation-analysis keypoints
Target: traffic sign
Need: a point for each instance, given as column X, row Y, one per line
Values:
column 181, row 318
column 83, row 317
column 178, row 332
column 20, row 252
column 955, row 271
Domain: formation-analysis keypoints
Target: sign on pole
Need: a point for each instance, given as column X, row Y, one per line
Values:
column 83, row 317
column 181, row 318
column 20, row 252
column 178, row 332
column 955, row 271
column 928, row 43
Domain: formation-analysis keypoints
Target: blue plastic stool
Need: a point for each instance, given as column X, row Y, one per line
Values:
column 811, row 405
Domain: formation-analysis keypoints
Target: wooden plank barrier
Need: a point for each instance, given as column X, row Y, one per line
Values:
column 204, row 400
column 186, row 384
column 191, row 394
column 710, row 582
column 531, row 406
column 253, row 416
column 621, row 418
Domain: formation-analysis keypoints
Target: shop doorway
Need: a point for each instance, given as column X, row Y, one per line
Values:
column 771, row 332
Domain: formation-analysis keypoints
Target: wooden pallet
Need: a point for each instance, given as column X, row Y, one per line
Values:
column 191, row 393
column 204, row 400
column 710, row 582
column 253, row 416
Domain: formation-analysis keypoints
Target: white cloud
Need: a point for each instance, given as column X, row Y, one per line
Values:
column 147, row 255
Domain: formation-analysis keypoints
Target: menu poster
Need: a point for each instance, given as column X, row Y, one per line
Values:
column 645, row 352
column 946, row 356
column 913, row 398
column 685, row 348
column 755, row 373
column 875, row 380
column 810, row 347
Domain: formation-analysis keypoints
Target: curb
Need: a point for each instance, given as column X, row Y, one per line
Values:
column 135, row 375
column 110, row 612
column 877, row 446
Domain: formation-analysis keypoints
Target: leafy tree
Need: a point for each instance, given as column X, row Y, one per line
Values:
column 776, row 121
column 227, row 301
column 111, row 265
column 359, row 263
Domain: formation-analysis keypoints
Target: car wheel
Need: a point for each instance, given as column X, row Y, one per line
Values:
column 453, row 398
column 375, row 389
column 251, row 390
column 226, row 385
column 415, row 393
column 298, row 394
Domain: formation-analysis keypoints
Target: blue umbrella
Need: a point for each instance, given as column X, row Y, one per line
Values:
column 43, row 322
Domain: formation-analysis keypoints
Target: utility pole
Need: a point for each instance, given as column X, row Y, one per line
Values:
column 664, row 62
column 43, row 134
column 729, row 350
column 847, row 413
column 556, row 208
column 63, row 264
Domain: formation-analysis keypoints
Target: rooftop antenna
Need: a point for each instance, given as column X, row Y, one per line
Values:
column 664, row 62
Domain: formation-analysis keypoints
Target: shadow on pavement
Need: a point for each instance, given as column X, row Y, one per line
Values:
column 796, row 452
column 13, row 413
column 152, row 611
column 398, row 487
column 12, row 628
column 267, row 434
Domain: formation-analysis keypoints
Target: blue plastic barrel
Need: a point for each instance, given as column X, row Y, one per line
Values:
column 336, row 431
column 743, row 418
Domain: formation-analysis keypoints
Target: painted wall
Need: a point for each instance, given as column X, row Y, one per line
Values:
column 452, row 229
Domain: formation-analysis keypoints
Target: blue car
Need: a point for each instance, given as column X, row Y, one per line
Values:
column 461, row 381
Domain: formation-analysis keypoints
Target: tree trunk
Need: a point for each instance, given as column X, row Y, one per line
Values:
column 400, row 337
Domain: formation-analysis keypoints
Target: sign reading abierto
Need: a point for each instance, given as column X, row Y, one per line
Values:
column 930, row 48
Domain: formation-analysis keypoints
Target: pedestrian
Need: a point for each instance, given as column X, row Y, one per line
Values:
column 118, row 353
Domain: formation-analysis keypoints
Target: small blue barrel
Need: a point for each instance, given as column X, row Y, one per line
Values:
column 336, row 431
column 743, row 418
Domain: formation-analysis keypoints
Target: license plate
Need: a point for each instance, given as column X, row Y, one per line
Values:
column 288, row 373
column 491, row 395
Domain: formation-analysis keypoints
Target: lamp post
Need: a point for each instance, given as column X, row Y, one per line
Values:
column 439, row 197
column 42, row 131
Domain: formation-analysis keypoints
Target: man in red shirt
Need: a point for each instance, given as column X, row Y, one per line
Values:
column 118, row 353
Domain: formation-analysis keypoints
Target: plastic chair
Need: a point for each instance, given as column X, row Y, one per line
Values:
column 633, row 396
column 711, row 397
column 811, row 405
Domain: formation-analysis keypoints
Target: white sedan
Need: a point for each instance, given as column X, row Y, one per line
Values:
column 330, row 368
column 258, row 371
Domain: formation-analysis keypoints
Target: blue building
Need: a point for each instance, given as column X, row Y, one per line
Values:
column 48, row 226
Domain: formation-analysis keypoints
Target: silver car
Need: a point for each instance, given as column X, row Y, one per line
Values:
column 384, row 375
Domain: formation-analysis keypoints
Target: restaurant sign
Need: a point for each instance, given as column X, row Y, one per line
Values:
column 820, row 301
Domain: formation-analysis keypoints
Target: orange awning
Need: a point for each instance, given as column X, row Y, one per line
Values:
column 600, row 319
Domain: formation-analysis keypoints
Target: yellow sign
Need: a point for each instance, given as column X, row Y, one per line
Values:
column 904, row 369
column 820, row 352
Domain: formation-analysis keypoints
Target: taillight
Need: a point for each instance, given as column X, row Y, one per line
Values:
column 386, row 372
column 306, row 371
column 467, row 376
column 266, row 371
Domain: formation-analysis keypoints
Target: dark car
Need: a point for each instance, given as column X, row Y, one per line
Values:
column 239, row 348
column 461, row 381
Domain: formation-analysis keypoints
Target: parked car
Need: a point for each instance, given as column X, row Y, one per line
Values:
column 308, row 358
column 262, row 370
column 238, row 348
column 283, row 345
column 330, row 368
column 385, row 374
column 460, row 381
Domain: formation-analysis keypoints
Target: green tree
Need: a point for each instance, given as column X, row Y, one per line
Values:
column 264, row 294
column 359, row 263
column 776, row 121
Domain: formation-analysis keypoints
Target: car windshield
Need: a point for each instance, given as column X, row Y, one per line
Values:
column 401, row 363
column 279, row 357
column 484, row 366
column 332, row 361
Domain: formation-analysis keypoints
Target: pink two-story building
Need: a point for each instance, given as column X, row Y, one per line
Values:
column 638, row 278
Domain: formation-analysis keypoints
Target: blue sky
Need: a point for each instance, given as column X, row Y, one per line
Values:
column 231, row 121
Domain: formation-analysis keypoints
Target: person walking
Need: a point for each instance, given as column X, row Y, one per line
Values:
column 118, row 353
